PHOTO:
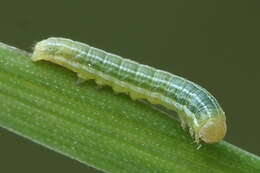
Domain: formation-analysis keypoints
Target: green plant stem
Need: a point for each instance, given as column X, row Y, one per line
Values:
column 42, row 102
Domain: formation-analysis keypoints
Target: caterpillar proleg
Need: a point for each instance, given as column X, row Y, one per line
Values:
column 197, row 108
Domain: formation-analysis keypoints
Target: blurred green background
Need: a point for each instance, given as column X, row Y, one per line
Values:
column 214, row 43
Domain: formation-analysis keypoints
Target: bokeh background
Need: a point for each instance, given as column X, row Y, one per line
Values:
column 214, row 43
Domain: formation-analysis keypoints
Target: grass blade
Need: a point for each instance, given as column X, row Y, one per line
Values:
column 42, row 102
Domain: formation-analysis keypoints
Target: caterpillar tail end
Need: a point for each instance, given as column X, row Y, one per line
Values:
column 39, row 51
column 214, row 130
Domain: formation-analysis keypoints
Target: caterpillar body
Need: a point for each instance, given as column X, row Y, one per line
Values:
column 197, row 108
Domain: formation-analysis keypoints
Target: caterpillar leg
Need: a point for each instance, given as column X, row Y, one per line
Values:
column 197, row 138
column 133, row 96
column 80, row 80
column 183, row 121
column 100, row 83
column 199, row 146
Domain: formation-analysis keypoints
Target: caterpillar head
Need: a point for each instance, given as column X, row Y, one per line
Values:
column 214, row 130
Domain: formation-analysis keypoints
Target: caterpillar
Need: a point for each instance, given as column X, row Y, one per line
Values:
column 196, row 107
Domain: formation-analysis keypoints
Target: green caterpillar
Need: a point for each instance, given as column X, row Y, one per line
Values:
column 197, row 108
